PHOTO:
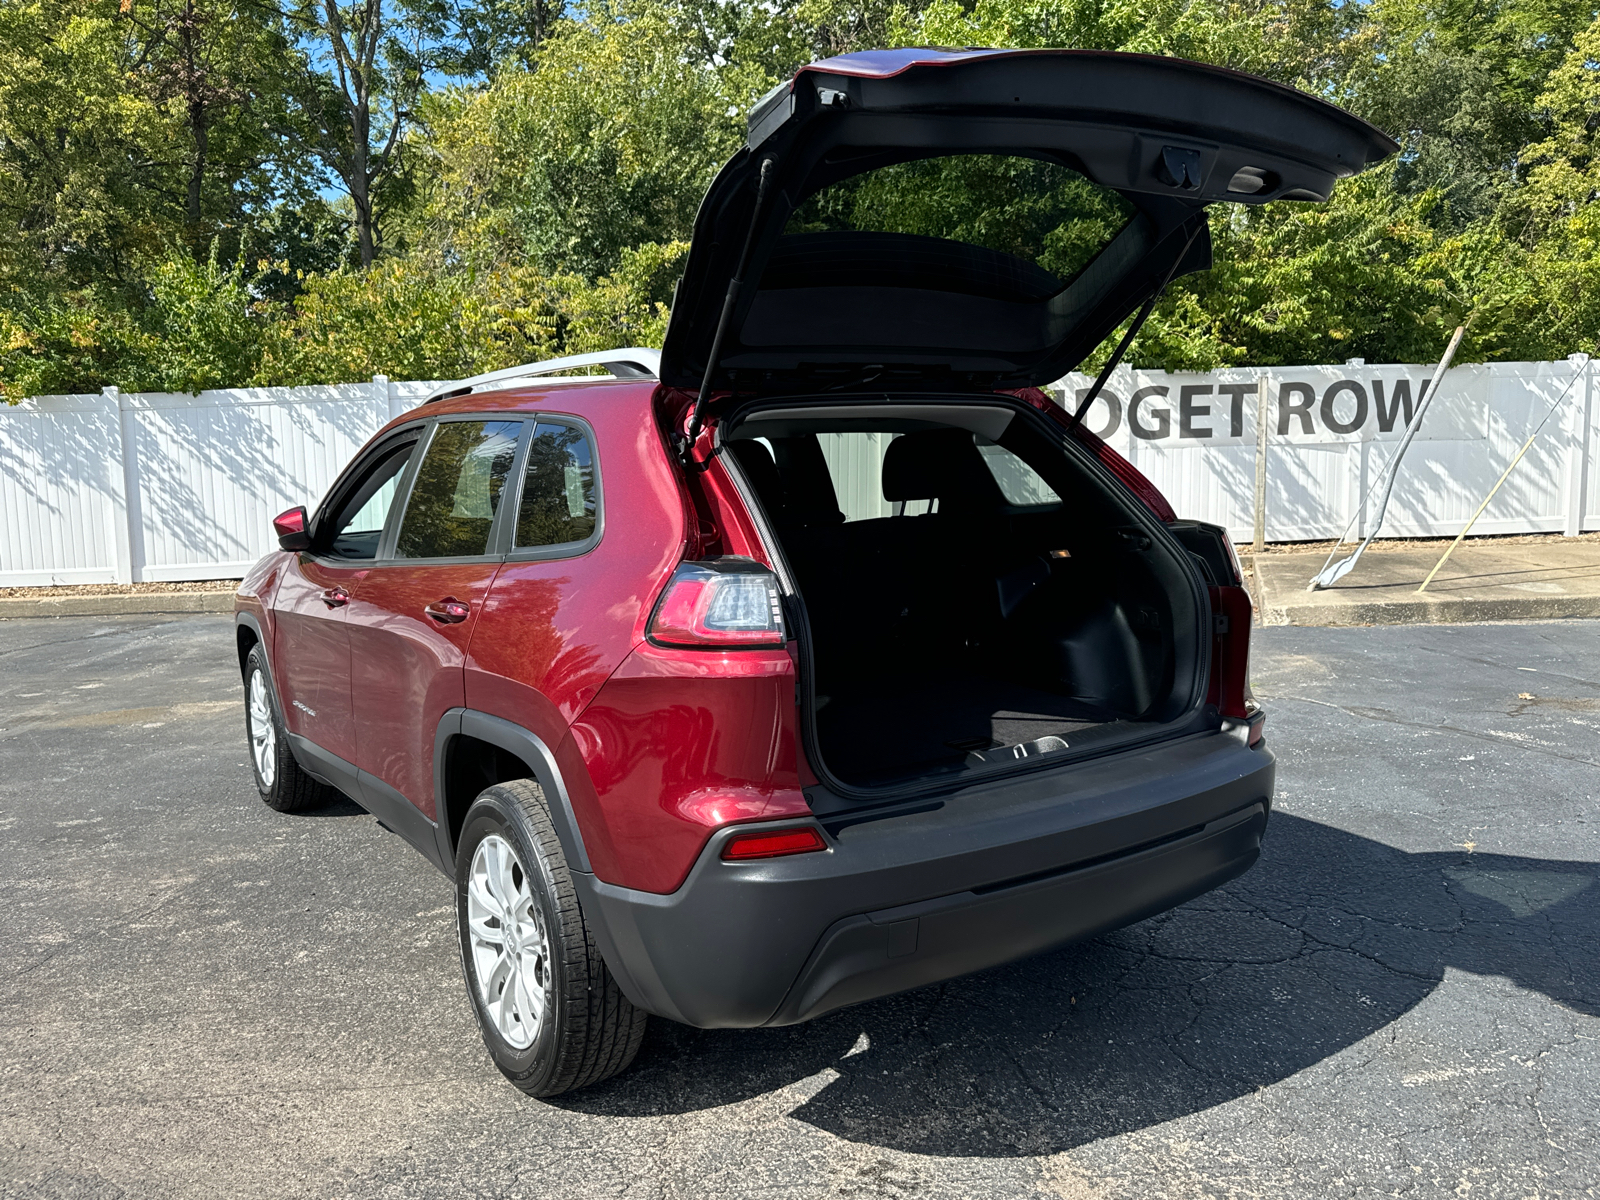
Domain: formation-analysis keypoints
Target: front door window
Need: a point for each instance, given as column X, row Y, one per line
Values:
column 357, row 525
column 312, row 643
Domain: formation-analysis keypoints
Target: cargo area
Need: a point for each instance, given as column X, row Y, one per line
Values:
column 976, row 593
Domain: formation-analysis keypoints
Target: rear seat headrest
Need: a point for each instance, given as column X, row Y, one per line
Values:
column 937, row 464
column 807, row 482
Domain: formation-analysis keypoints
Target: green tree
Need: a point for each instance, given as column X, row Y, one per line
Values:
column 128, row 124
column 406, row 321
column 520, row 177
column 215, row 69
column 83, row 156
column 1458, row 85
column 609, row 141
column 368, row 64
column 1556, row 218
column 496, row 32
column 199, row 327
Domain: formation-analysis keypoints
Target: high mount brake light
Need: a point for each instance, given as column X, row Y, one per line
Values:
column 772, row 843
column 720, row 603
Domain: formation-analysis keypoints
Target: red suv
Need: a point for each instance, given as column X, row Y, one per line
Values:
column 823, row 655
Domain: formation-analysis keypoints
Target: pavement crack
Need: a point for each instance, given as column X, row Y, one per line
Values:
column 1385, row 717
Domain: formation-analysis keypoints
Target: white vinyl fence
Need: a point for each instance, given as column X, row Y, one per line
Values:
column 156, row 486
column 122, row 488
column 1332, row 431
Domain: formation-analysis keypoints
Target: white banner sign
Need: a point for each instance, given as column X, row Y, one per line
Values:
column 1303, row 404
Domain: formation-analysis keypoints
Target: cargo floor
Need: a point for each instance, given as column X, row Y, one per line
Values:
column 872, row 732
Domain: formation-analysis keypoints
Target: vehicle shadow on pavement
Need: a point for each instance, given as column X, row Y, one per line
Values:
column 341, row 806
column 1326, row 941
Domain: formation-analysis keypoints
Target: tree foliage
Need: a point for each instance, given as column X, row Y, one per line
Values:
column 199, row 193
column 607, row 143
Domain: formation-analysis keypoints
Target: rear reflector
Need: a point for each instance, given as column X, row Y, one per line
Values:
column 773, row 844
column 719, row 602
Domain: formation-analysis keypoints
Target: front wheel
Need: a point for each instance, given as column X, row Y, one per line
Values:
column 283, row 785
column 550, row 1013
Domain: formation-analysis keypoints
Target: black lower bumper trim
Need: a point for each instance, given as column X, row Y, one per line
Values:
column 989, row 874
column 875, row 954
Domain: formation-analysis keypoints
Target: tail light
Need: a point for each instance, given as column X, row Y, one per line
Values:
column 1231, row 615
column 1230, row 662
column 720, row 603
column 772, row 843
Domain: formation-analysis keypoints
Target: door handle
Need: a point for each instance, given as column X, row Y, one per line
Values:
column 447, row 611
column 335, row 597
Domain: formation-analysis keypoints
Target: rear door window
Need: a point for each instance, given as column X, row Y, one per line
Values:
column 458, row 488
column 560, row 494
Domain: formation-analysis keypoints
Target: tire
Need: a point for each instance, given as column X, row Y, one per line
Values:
column 283, row 785
column 569, row 1026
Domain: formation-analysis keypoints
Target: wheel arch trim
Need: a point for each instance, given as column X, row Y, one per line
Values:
column 305, row 752
column 249, row 621
column 530, row 749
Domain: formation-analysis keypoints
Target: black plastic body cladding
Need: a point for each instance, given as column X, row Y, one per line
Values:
column 976, row 879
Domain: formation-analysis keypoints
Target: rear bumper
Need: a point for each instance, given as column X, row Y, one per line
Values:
column 955, row 885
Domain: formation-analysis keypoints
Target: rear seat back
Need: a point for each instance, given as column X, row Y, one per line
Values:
column 895, row 588
column 903, row 591
column 807, row 481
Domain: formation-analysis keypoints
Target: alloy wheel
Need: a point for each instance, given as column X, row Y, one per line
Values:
column 263, row 733
column 510, row 951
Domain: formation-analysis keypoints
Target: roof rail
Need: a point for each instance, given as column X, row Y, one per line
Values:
column 632, row 362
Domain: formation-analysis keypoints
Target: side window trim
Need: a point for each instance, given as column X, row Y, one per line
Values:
column 505, row 518
column 355, row 473
column 402, row 494
column 504, row 533
column 514, row 553
column 499, row 531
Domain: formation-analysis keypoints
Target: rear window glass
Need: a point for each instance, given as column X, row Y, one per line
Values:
column 1041, row 222
column 558, row 489
column 855, row 465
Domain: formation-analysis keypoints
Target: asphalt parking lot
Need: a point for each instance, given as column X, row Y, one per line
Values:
column 201, row 997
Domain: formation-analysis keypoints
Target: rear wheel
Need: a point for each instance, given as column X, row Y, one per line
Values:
column 283, row 785
column 550, row 1013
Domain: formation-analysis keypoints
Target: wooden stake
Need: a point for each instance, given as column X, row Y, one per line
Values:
column 1261, row 469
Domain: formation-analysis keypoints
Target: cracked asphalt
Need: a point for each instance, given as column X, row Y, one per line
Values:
column 200, row 997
